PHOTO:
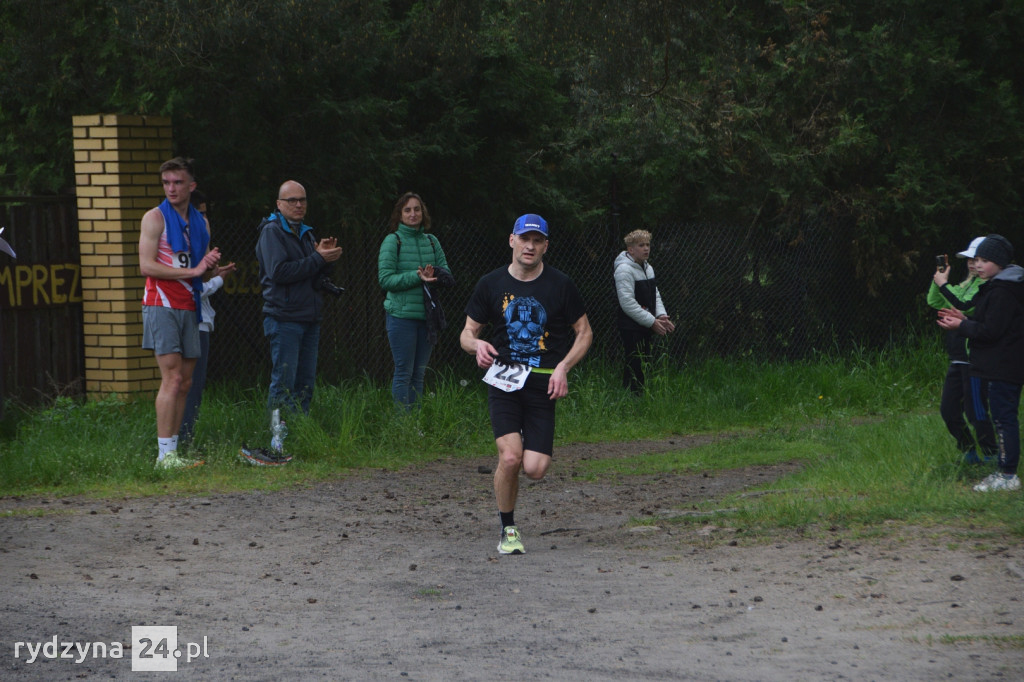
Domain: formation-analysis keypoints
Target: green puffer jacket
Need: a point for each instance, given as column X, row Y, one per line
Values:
column 401, row 253
column 959, row 296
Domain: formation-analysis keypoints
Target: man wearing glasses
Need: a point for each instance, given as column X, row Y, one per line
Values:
column 292, row 265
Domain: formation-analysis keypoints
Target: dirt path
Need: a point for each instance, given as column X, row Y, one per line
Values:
column 395, row 576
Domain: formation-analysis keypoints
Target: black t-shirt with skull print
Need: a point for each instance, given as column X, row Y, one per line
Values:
column 531, row 321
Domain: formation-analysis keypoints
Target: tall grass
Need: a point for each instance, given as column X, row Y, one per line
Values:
column 863, row 425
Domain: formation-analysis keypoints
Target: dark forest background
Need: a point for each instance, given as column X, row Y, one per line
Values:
column 897, row 122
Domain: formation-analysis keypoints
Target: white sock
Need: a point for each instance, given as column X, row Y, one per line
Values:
column 166, row 445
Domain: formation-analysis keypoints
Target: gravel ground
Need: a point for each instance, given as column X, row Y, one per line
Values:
column 395, row 575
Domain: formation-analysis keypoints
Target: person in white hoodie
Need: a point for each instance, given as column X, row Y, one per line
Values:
column 210, row 286
column 641, row 312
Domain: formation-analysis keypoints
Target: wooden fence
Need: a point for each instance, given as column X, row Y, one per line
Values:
column 41, row 348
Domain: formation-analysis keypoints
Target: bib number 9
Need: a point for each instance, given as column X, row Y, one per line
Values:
column 182, row 260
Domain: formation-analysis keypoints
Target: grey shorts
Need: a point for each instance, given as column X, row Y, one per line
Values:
column 167, row 330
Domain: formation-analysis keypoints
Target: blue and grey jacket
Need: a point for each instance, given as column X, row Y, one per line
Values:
column 995, row 331
column 290, row 271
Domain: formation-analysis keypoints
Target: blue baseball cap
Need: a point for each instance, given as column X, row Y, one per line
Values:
column 531, row 222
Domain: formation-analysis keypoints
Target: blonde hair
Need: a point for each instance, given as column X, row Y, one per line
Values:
column 637, row 236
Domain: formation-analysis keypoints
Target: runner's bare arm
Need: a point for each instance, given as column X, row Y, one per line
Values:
column 558, row 384
column 149, row 246
column 471, row 342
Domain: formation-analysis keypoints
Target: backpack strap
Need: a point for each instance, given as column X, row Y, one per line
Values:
column 430, row 238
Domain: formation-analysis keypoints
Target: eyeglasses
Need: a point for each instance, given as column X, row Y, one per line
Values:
column 294, row 201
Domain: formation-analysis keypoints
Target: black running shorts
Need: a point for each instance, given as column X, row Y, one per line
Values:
column 527, row 411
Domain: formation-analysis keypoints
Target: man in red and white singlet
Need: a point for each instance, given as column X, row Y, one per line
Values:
column 168, row 293
column 170, row 325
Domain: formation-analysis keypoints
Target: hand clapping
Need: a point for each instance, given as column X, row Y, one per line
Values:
column 328, row 249
column 426, row 273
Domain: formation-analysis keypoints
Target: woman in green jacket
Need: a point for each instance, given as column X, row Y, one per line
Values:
column 406, row 262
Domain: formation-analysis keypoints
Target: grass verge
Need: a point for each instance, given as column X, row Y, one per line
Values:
column 864, row 426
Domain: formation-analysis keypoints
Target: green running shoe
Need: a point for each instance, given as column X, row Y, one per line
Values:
column 510, row 541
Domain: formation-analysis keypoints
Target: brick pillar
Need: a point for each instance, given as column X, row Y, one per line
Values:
column 117, row 173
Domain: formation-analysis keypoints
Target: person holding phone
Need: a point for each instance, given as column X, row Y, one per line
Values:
column 995, row 334
column 963, row 401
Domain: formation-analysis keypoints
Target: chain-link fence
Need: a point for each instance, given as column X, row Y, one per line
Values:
column 731, row 293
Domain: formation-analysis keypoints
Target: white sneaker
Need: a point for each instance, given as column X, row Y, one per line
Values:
column 172, row 461
column 998, row 481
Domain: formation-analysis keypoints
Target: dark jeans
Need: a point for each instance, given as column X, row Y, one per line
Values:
column 410, row 350
column 195, row 393
column 964, row 396
column 293, row 350
column 637, row 348
column 1003, row 405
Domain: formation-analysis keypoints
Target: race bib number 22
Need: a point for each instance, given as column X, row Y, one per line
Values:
column 507, row 377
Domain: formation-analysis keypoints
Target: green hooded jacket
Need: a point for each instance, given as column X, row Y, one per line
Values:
column 957, row 296
column 963, row 292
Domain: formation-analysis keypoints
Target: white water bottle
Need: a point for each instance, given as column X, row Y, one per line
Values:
column 279, row 430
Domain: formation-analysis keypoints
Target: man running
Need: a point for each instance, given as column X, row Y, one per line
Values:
column 534, row 310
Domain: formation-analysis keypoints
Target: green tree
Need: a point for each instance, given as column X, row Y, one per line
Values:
column 897, row 122
column 58, row 58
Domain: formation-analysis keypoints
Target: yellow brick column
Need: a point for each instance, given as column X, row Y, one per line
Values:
column 117, row 172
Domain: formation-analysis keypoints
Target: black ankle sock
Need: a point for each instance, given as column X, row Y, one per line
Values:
column 507, row 518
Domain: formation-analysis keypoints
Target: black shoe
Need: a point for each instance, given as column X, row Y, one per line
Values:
column 262, row 457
